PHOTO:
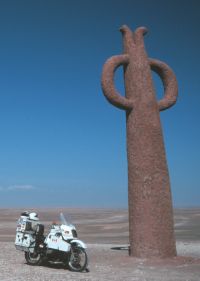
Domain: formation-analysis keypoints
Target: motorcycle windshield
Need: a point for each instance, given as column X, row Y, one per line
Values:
column 64, row 220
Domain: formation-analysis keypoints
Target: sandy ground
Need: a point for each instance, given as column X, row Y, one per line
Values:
column 104, row 231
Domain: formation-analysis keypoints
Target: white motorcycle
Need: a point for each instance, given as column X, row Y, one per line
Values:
column 61, row 245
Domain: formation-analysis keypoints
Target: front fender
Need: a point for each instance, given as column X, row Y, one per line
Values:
column 79, row 243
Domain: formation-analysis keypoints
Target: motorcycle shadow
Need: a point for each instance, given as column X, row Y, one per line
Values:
column 51, row 265
column 58, row 265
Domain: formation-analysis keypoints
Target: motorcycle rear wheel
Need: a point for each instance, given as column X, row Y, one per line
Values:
column 78, row 259
column 33, row 258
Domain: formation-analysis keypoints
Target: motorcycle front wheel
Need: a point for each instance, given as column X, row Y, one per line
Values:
column 78, row 259
column 33, row 258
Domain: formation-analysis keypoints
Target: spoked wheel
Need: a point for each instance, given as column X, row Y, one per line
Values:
column 78, row 259
column 33, row 258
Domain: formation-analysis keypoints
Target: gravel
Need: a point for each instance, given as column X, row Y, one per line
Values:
column 105, row 263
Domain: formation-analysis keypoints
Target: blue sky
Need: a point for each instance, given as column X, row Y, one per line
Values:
column 61, row 143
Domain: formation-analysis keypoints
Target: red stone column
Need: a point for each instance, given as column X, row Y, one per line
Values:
column 151, row 230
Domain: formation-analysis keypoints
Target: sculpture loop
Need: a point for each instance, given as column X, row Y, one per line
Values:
column 108, row 82
column 169, row 81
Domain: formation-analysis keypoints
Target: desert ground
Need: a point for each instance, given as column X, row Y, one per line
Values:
column 106, row 233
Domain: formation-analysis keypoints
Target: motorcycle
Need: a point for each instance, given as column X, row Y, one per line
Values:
column 60, row 245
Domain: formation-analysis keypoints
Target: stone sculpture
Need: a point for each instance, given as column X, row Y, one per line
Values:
column 151, row 228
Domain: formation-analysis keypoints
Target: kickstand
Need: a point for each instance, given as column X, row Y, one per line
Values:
column 87, row 269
